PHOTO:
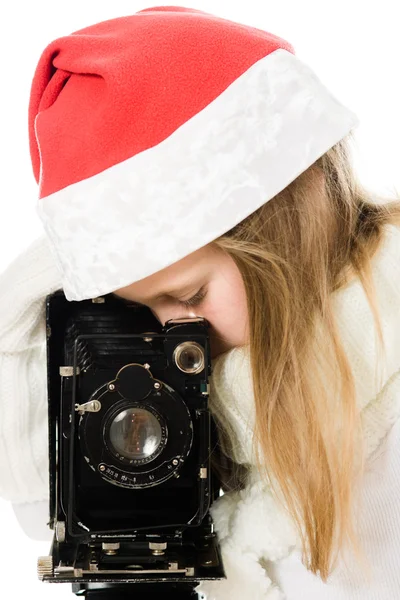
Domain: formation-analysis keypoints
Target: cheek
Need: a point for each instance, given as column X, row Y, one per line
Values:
column 226, row 308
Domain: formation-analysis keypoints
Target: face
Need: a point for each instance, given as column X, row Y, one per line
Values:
column 206, row 283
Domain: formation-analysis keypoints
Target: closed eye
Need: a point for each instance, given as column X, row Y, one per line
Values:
column 195, row 300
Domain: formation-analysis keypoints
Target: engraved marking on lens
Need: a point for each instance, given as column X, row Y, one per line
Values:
column 189, row 357
column 135, row 433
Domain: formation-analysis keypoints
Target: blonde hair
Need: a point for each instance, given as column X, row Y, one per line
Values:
column 293, row 253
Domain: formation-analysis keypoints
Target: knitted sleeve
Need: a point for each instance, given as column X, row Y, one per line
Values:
column 24, row 286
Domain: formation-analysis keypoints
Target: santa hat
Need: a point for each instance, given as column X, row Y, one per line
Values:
column 153, row 134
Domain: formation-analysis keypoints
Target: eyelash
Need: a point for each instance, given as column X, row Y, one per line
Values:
column 195, row 300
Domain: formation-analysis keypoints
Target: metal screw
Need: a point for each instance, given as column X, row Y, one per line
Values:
column 102, row 468
column 175, row 462
column 157, row 385
column 111, row 387
column 206, row 563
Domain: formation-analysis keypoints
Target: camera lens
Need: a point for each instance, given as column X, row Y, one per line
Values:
column 189, row 357
column 135, row 433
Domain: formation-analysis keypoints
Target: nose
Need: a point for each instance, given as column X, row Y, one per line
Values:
column 216, row 345
column 179, row 313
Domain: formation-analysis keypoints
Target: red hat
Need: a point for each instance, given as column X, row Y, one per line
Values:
column 153, row 134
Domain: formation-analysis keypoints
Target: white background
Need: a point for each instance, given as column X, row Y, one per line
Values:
column 352, row 45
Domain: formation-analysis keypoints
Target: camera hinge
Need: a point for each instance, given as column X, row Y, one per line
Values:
column 69, row 371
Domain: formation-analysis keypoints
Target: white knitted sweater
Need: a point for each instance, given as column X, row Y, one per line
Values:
column 257, row 539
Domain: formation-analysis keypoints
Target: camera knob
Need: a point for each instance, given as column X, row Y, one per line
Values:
column 110, row 547
column 60, row 531
column 44, row 566
column 158, row 548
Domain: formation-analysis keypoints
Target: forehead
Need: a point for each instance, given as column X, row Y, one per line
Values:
column 184, row 272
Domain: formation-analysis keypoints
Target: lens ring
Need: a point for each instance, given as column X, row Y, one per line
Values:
column 183, row 357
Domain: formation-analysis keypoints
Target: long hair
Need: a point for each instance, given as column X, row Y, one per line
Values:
column 294, row 253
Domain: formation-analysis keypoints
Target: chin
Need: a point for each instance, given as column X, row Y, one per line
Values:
column 217, row 348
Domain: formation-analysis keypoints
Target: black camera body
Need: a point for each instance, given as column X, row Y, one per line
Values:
column 130, row 440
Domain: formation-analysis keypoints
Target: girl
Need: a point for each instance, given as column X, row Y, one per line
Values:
column 198, row 166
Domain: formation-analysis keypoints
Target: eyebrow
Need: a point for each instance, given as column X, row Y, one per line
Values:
column 160, row 295
column 178, row 288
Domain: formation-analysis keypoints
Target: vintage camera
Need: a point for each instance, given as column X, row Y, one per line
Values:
column 130, row 439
